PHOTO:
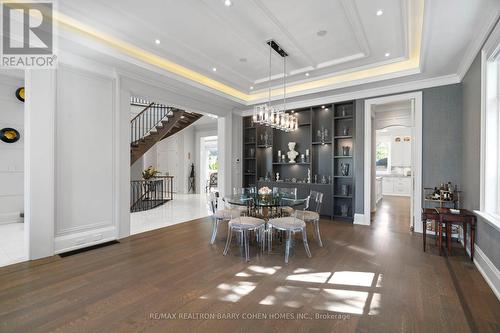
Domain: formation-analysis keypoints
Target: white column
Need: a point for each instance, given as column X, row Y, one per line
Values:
column 123, row 159
column 39, row 162
column 225, row 144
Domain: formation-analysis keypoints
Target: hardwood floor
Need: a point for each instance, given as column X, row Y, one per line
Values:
column 364, row 279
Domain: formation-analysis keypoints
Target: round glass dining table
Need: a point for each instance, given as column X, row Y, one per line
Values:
column 266, row 202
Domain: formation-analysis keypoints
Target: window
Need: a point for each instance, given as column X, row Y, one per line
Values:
column 382, row 156
column 490, row 129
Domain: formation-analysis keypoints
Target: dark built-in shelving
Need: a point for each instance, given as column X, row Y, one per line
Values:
column 323, row 131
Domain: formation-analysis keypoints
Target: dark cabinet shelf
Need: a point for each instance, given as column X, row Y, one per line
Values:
column 320, row 131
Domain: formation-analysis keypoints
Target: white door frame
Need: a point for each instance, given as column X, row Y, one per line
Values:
column 416, row 156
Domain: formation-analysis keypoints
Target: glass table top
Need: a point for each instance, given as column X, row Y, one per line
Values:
column 270, row 200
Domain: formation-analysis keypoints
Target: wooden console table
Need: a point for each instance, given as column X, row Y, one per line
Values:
column 464, row 218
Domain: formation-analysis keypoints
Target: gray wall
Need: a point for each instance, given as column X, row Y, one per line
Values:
column 487, row 238
column 441, row 142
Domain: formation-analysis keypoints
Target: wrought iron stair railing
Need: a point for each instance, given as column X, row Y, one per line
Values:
column 148, row 120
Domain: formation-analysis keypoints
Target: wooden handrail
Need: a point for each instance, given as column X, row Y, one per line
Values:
column 145, row 109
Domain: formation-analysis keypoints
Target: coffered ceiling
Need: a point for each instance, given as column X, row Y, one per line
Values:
column 331, row 43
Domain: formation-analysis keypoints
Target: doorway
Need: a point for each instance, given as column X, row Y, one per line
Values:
column 209, row 163
column 393, row 160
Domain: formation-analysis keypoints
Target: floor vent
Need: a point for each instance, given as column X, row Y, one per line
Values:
column 85, row 249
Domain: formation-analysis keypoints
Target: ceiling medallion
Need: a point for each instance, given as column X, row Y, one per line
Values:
column 275, row 116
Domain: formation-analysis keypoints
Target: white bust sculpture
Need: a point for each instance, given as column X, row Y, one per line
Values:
column 292, row 154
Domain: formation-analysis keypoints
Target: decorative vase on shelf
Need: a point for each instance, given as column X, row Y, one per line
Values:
column 343, row 111
column 292, row 154
column 345, row 150
column 344, row 209
column 344, row 169
column 344, row 190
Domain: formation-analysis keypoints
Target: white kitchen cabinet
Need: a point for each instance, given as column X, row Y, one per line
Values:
column 396, row 186
column 387, row 185
column 401, row 154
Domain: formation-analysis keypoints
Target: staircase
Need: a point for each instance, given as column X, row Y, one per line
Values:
column 155, row 123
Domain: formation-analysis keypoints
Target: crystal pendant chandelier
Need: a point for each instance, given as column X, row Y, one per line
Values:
column 275, row 116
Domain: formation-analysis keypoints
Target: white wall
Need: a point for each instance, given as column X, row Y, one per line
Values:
column 175, row 155
column 85, row 169
column 11, row 154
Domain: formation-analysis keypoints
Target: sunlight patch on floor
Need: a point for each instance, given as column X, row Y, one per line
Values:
column 363, row 279
column 319, row 277
column 258, row 271
column 231, row 292
column 351, row 292
column 290, row 296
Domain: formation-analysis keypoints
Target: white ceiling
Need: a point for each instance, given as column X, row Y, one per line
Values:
column 202, row 34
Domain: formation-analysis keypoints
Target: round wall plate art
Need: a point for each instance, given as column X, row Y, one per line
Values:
column 9, row 135
column 20, row 94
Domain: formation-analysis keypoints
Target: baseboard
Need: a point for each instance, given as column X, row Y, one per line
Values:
column 11, row 218
column 490, row 273
column 83, row 239
column 359, row 219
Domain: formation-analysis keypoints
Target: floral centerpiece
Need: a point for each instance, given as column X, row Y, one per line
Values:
column 149, row 173
column 265, row 193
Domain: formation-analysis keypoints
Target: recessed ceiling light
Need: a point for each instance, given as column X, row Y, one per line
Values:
column 387, row 54
column 227, row 3
column 307, row 74
column 293, row 111
column 251, row 88
column 380, row 12
column 321, row 33
column 322, row 106
column 214, row 69
column 326, row 109
column 157, row 41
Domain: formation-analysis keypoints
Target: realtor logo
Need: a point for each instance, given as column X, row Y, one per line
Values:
column 27, row 35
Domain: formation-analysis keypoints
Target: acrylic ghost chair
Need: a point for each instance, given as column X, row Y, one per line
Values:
column 311, row 213
column 219, row 215
column 287, row 195
column 244, row 226
column 244, row 193
column 290, row 225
